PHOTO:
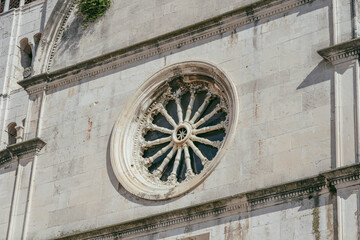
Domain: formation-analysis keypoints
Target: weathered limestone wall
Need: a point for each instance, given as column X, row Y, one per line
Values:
column 128, row 23
column 284, row 131
column 15, row 25
column 298, row 119
column 306, row 219
column 7, row 181
column 6, row 39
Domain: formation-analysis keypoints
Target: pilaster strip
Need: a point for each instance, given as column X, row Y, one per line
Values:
column 214, row 27
column 243, row 202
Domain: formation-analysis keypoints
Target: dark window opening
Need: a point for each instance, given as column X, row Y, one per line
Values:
column 29, row 1
column 14, row 4
column 11, row 133
column 2, row 6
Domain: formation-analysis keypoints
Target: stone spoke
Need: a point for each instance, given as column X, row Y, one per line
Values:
column 189, row 171
column 215, row 144
column 190, row 106
column 207, row 117
column 179, row 109
column 198, row 153
column 172, row 176
column 166, row 161
column 159, row 129
column 157, row 142
column 201, row 108
column 149, row 161
column 209, row 129
column 167, row 116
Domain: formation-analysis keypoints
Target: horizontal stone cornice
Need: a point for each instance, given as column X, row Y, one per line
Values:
column 343, row 51
column 217, row 26
column 306, row 188
column 15, row 150
column 343, row 175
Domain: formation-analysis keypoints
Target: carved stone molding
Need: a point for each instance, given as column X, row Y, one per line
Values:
column 343, row 175
column 341, row 52
column 217, row 26
column 18, row 149
column 301, row 189
column 172, row 132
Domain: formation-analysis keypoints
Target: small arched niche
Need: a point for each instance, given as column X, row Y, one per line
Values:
column 11, row 133
column 26, row 56
column 26, row 53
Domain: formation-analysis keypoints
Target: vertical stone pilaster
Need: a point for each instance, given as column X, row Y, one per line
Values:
column 32, row 123
column 343, row 22
column 7, row 4
column 345, row 112
column 345, row 59
column 24, row 153
column 20, row 197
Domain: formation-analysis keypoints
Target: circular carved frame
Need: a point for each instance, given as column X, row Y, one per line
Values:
column 128, row 142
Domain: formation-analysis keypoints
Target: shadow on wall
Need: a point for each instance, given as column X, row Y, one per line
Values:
column 319, row 74
column 26, row 53
column 324, row 71
column 72, row 35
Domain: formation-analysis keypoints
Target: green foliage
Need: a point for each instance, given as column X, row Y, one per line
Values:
column 92, row 9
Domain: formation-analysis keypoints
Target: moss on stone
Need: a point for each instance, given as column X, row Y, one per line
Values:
column 92, row 9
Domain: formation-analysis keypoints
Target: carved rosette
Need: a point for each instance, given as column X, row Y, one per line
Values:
column 175, row 131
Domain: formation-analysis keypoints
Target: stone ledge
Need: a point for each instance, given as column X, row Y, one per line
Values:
column 349, row 49
column 342, row 175
column 18, row 149
column 167, row 43
column 305, row 188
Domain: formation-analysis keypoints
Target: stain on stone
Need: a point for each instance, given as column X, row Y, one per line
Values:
column 188, row 229
column 71, row 36
column 71, row 92
column 316, row 219
column 233, row 40
column 255, row 37
column 233, row 231
column 329, row 219
column 256, row 111
column 88, row 136
column 260, row 143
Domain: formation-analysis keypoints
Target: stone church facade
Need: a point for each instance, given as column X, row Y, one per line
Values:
column 220, row 119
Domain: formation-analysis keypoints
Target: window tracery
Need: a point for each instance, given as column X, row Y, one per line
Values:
column 183, row 130
column 172, row 134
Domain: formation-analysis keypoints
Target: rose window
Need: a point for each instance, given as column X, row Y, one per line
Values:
column 172, row 133
column 183, row 130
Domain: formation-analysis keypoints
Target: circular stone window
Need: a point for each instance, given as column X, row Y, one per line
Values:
column 172, row 134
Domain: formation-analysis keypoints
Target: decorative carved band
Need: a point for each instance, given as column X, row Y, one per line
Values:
column 190, row 35
column 345, row 50
column 15, row 150
column 228, row 206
